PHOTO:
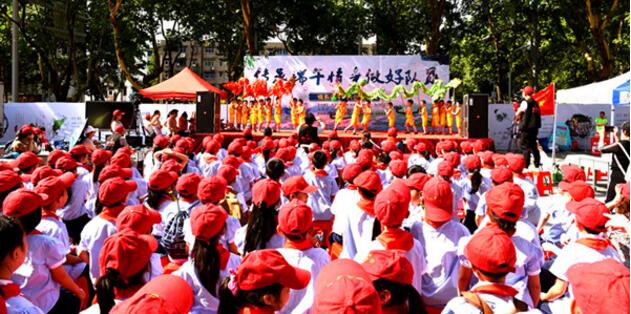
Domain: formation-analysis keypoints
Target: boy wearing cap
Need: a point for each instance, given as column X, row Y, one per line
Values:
column 517, row 164
column 326, row 188
column 295, row 224
column 415, row 183
column 75, row 213
column 591, row 246
column 439, row 234
column 163, row 295
column 492, row 256
column 600, row 287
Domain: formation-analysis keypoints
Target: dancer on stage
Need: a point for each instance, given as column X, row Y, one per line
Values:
column 268, row 112
column 340, row 112
column 367, row 109
column 301, row 112
column 443, row 117
column 457, row 113
column 435, row 117
column 409, row 117
column 232, row 106
column 357, row 110
column 449, row 118
column 390, row 115
column 245, row 113
column 261, row 114
column 237, row 111
column 422, row 111
column 254, row 114
column 278, row 111
column 293, row 104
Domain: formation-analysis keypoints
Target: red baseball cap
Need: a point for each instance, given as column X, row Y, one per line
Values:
column 506, row 201
column 120, row 129
column 472, row 162
column 601, row 287
column 391, row 265
column 466, row 147
column 212, row 147
column 9, row 179
column 295, row 218
column 27, row 129
column 417, row 181
column 283, row 142
column 284, row 154
column 263, row 268
column 212, row 189
column 127, row 252
column 572, row 173
column 438, row 200
column 516, row 163
column 527, row 90
column 478, row 146
column 589, row 213
column 113, row 171
column 22, row 202
column 335, row 144
column 420, row 147
column 247, row 132
column 171, row 165
column 410, row 143
column 166, row 294
column 368, row 180
column 398, row 168
column 54, row 156
column 79, row 150
column 66, row 164
column 266, row 191
column 343, row 286
column 228, row 172
column 184, row 144
column 350, row 172
column 161, row 141
column 118, row 112
column 187, row 184
column 578, row 190
column 453, row 158
column 232, row 161
column 297, row 184
column 161, row 180
column 445, row 169
column 392, row 132
column 207, row 221
column 235, row 148
column 491, row 250
column 138, row 218
column 101, row 156
column 395, row 155
column 392, row 204
column 121, row 159
column 501, row 175
column 499, row 160
column 388, row 146
column 115, row 190
column 267, row 144
column 55, row 186
column 624, row 190
column 366, row 153
column 125, row 150
column 26, row 160
column 364, row 162
column 487, row 157
column 354, row 145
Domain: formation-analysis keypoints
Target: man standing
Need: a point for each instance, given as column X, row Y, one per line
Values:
column 529, row 118
column 601, row 123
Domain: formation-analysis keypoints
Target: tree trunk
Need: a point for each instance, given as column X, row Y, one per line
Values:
column 597, row 28
column 437, row 8
column 248, row 27
column 113, row 8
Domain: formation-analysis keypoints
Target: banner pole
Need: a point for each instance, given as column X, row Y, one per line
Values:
column 554, row 127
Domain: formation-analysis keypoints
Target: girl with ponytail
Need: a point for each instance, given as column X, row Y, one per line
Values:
column 473, row 186
column 210, row 261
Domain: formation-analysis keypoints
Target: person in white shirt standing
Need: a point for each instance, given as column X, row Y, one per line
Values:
column 321, row 199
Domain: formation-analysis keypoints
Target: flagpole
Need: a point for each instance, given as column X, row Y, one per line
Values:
column 554, row 127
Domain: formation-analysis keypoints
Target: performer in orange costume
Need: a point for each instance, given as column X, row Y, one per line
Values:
column 422, row 111
column 435, row 109
column 340, row 112
column 409, row 117
column 448, row 117
column 367, row 109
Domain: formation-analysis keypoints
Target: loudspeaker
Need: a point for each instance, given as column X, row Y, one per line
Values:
column 477, row 106
column 99, row 113
column 207, row 112
column 134, row 141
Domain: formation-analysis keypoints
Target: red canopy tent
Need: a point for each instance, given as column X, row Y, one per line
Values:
column 182, row 86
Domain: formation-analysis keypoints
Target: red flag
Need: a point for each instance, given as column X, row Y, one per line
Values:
column 545, row 98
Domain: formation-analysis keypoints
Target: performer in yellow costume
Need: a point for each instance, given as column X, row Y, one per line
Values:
column 268, row 112
column 449, row 116
column 232, row 106
column 443, row 116
column 237, row 111
column 340, row 112
column 457, row 113
column 254, row 114
column 422, row 111
column 357, row 110
column 367, row 108
column 245, row 113
column 261, row 113
column 292, row 112
column 435, row 117
column 301, row 112
column 409, row 117
column 390, row 115
column 278, row 111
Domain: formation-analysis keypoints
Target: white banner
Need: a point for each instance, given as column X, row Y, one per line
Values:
column 61, row 120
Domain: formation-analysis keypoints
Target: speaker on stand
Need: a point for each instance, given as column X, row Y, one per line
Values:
column 477, row 115
column 207, row 112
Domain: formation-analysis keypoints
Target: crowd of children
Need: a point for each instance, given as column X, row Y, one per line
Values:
column 214, row 226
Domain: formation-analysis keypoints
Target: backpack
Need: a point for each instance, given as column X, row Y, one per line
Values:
column 173, row 237
column 475, row 300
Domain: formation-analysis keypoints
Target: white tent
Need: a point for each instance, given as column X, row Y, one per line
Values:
column 592, row 94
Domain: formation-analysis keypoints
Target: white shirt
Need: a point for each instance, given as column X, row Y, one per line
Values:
column 385, row 176
column 339, row 163
column 148, row 165
column 432, row 169
column 497, row 303
column 350, row 157
column 204, row 301
column 342, row 200
column 356, row 226
column 312, row 260
column 76, row 208
column 471, row 200
column 575, row 253
column 92, row 238
column 417, row 212
column 19, row 304
column 320, row 200
column 440, row 281
column 523, row 229
column 561, row 220
column 418, row 160
column 34, row 277
column 531, row 194
column 275, row 242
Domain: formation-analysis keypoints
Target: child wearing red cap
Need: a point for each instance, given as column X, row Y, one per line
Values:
column 419, row 156
column 415, row 182
column 591, row 246
column 391, row 208
column 186, row 188
column 492, row 256
column 320, row 200
column 261, row 284
column 600, row 287
column 505, row 203
column 353, row 149
column 295, row 224
column 439, row 234
column 161, row 193
column 112, row 198
column 392, row 275
column 516, row 164
column 209, row 261
column 358, row 225
column 260, row 231
column 42, row 274
column 75, row 214
column 473, row 186
column 9, row 182
column 164, row 294
column 12, row 255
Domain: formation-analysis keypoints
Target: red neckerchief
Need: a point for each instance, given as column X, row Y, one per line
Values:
column 367, row 205
column 209, row 159
column 9, row 291
column 597, row 244
column 520, row 175
column 320, row 173
column 49, row 213
column 496, row 289
column 396, row 239
column 255, row 310
column 381, row 166
column 111, row 212
column 35, row 231
column 351, row 187
column 224, row 256
column 299, row 245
